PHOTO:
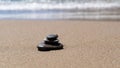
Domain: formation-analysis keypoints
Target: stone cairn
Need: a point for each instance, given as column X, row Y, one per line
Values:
column 51, row 42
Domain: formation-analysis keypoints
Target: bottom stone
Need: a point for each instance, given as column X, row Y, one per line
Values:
column 47, row 47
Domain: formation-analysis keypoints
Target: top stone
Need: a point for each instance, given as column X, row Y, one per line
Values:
column 52, row 37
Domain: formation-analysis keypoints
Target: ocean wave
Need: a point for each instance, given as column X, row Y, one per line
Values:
column 44, row 6
column 53, row 9
column 64, row 15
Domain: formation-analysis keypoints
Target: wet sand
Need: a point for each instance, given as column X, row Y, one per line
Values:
column 87, row 44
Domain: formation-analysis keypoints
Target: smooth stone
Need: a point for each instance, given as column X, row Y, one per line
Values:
column 54, row 42
column 47, row 47
column 52, row 37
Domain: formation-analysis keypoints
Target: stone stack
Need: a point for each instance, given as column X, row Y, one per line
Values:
column 51, row 42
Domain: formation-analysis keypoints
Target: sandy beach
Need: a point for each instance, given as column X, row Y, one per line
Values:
column 87, row 44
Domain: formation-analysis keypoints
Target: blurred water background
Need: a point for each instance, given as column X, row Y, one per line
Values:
column 60, row 9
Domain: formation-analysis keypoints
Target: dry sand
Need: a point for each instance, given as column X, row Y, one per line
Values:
column 87, row 44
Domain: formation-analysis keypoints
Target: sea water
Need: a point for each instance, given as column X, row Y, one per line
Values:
column 60, row 9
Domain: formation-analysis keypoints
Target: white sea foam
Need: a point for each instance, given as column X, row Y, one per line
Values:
column 39, row 6
column 11, row 9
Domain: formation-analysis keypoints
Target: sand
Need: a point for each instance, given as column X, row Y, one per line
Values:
column 87, row 44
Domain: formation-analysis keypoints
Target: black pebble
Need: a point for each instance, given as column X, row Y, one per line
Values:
column 52, row 37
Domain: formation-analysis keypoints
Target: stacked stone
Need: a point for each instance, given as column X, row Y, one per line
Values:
column 50, row 43
column 52, row 39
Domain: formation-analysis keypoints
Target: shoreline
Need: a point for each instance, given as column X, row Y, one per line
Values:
column 74, row 14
